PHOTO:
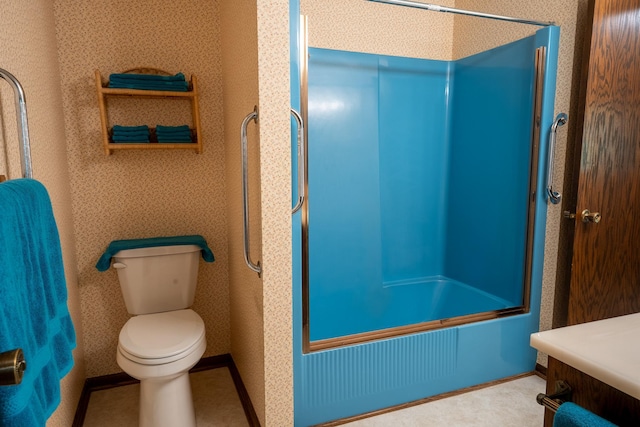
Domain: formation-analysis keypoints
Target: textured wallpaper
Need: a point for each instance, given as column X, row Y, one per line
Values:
column 275, row 173
column 138, row 194
column 361, row 26
column 240, row 88
column 27, row 37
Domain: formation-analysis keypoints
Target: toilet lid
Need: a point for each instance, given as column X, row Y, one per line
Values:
column 161, row 335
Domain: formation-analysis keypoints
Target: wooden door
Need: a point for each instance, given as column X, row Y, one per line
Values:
column 605, row 275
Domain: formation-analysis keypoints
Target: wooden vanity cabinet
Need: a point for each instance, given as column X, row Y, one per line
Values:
column 594, row 395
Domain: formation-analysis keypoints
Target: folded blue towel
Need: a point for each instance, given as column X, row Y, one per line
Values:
column 173, row 129
column 104, row 262
column 135, row 129
column 130, row 133
column 141, row 140
column 147, row 77
column 185, row 140
column 180, row 133
column 571, row 415
column 33, row 303
column 168, row 87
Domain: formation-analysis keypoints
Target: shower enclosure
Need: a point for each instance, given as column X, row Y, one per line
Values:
column 418, row 249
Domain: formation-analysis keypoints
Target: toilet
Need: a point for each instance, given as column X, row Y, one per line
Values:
column 164, row 338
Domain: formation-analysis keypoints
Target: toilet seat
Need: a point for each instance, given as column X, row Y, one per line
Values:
column 159, row 338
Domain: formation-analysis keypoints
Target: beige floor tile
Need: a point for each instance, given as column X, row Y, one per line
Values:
column 511, row 404
column 215, row 400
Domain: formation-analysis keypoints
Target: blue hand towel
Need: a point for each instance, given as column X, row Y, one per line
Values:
column 104, row 262
column 33, row 303
column 571, row 415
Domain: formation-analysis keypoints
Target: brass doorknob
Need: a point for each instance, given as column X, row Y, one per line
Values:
column 594, row 217
column 12, row 367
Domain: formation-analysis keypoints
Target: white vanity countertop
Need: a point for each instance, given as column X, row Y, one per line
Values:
column 608, row 350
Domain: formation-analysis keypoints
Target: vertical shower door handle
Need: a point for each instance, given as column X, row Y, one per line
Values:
column 554, row 196
column 245, row 191
column 302, row 149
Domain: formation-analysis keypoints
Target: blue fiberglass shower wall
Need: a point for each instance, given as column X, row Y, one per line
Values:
column 346, row 381
column 418, row 184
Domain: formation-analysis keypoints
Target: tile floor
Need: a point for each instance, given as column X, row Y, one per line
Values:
column 511, row 404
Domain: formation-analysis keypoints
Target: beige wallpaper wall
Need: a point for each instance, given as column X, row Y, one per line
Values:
column 27, row 37
column 137, row 194
column 240, row 87
column 255, row 72
column 275, row 186
column 360, row 26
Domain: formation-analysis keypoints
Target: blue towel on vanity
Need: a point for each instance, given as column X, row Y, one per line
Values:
column 33, row 303
column 571, row 415
column 104, row 262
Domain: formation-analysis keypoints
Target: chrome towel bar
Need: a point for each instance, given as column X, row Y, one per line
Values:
column 553, row 401
column 301, row 161
column 245, row 191
column 561, row 120
column 23, row 126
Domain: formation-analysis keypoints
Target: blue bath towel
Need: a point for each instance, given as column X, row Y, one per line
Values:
column 571, row 415
column 33, row 303
column 119, row 245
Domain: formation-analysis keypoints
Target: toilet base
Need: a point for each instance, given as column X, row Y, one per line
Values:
column 165, row 390
column 166, row 402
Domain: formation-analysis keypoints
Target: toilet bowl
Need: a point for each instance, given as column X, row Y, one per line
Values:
column 159, row 349
column 164, row 338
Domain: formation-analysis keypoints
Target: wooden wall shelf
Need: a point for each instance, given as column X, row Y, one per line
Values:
column 191, row 94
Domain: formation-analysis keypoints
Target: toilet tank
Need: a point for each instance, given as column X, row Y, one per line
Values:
column 158, row 279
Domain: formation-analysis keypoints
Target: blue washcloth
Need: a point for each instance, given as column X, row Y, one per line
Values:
column 571, row 415
column 33, row 303
column 119, row 245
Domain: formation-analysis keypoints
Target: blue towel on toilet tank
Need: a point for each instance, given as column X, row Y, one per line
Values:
column 33, row 303
column 120, row 245
column 571, row 415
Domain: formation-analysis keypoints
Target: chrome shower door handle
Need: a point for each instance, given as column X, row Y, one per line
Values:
column 302, row 149
column 561, row 120
column 245, row 191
